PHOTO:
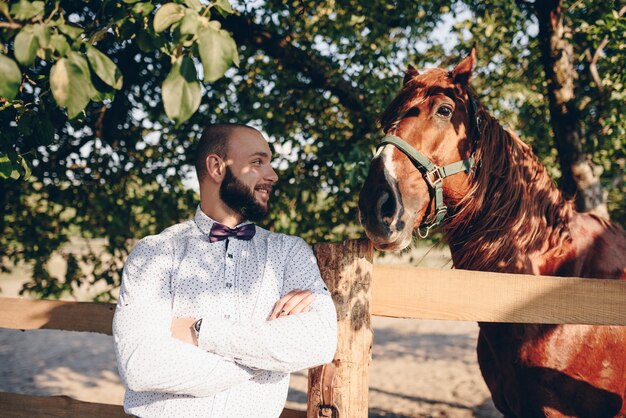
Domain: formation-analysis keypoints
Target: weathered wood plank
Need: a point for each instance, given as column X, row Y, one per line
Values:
column 14, row 405
column 48, row 314
column 405, row 293
column 346, row 269
column 292, row 413
column 496, row 297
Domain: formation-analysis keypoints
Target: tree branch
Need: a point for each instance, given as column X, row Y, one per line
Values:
column 321, row 71
column 10, row 25
column 593, row 59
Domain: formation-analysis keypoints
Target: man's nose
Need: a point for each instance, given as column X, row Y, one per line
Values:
column 271, row 175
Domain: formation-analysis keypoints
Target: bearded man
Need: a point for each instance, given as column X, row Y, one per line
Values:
column 214, row 313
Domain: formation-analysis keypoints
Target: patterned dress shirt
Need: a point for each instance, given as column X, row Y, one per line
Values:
column 241, row 365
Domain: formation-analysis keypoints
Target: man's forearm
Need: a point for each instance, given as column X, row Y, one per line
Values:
column 152, row 361
column 286, row 344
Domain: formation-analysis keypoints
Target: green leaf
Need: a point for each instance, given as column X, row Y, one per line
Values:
column 167, row 15
column 101, row 90
column 60, row 44
column 225, row 6
column 143, row 9
column 14, row 166
column 43, row 35
column 4, row 9
column 181, row 91
column 24, row 10
column 193, row 4
column 145, row 42
column 218, row 52
column 6, row 166
column 10, row 77
column 26, row 45
column 25, row 167
column 71, row 31
column 191, row 23
column 104, row 68
column 81, row 61
column 70, row 85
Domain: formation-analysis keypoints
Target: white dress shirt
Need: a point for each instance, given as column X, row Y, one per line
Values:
column 241, row 365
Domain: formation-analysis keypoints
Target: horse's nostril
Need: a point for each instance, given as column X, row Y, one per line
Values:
column 386, row 208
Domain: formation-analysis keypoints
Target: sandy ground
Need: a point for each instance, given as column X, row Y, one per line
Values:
column 419, row 368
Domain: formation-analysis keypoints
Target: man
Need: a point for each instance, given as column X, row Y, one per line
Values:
column 214, row 313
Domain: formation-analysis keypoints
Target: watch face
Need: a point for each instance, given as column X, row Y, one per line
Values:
column 197, row 324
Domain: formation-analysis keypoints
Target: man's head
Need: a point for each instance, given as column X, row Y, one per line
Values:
column 233, row 164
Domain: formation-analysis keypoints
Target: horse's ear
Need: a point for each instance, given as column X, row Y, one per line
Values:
column 409, row 74
column 462, row 73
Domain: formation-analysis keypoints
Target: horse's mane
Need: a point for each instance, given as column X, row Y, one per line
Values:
column 512, row 208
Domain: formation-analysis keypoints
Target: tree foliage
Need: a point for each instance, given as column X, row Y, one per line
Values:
column 104, row 101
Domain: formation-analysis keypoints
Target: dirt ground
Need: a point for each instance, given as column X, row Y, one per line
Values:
column 419, row 368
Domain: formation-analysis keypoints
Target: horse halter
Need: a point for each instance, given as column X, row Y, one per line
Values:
column 433, row 175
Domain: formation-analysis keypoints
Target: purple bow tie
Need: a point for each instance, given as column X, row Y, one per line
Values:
column 220, row 232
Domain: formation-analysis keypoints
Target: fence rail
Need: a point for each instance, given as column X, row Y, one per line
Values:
column 96, row 317
column 496, row 297
column 359, row 290
column 402, row 293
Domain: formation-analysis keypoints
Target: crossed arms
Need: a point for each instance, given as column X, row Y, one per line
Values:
column 228, row 353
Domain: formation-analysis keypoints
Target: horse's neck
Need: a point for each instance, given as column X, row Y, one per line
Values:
column 513, row 214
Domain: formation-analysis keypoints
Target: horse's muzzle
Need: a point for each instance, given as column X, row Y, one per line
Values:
column 380, row 206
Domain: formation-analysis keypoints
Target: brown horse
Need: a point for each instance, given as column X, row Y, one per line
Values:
column 445, row 160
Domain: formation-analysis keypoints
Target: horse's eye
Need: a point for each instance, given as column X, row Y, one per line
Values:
column 414, row 111
column 444, row 111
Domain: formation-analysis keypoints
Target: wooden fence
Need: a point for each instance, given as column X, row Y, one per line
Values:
column 360, row 289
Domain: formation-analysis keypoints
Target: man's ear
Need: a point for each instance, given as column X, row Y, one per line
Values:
column 215, row 168
column 462, row 73
column 409, row 74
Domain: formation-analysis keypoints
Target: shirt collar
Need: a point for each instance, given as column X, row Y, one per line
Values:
column 205, row 222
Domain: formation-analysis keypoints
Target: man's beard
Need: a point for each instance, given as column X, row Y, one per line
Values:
column 240, row 198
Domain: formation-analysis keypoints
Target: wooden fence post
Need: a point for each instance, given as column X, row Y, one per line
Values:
column 347, row 270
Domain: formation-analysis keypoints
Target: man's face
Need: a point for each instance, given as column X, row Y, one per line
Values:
column 249, row 176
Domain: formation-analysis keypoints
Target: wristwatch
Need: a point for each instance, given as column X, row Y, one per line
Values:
column 196, row 327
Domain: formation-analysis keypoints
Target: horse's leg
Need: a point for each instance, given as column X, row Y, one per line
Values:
column 497, row 378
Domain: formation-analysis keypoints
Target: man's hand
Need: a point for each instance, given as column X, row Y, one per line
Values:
column 294, row 302
column 182, row 329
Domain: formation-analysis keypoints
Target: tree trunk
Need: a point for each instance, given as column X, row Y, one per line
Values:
column 580, row 178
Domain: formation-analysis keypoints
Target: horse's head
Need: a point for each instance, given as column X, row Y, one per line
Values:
column 423, row 164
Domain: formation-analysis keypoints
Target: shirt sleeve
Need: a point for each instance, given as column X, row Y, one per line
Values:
column 285, row 344
column 148, row 357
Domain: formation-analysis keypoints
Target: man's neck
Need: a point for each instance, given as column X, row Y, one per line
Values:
column 220, row 212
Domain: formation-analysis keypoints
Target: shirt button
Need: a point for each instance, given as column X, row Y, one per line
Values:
column 226, row 316
column 229, row 285
column 230, row 256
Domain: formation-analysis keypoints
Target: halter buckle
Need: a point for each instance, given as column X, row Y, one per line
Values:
column 434, row 177
column 433, row 222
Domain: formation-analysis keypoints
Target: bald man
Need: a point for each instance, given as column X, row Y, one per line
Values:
column 214, row 313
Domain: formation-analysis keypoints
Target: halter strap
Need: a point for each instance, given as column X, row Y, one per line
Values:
column 433, row 175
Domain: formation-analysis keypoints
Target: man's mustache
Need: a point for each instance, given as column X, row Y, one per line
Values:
column 266, row 186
